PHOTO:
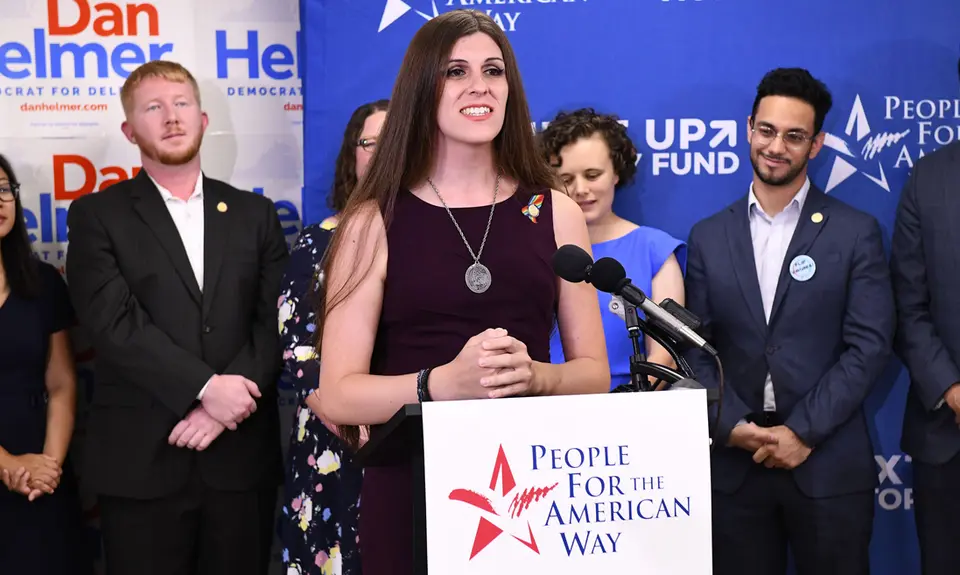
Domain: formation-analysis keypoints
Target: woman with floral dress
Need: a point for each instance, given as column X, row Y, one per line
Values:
column 322, row 485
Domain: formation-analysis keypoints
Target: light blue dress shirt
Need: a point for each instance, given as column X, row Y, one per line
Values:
column 771, row 238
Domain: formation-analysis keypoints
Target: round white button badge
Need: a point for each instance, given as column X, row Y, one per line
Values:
column 802, row 268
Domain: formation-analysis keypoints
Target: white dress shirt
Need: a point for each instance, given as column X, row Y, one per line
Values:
column 771, row 239
column 188, row 217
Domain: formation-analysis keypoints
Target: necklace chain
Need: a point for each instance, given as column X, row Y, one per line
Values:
column 475, row 256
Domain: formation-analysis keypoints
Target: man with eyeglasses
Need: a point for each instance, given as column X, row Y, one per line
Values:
column 926, row 281
column 793, row 290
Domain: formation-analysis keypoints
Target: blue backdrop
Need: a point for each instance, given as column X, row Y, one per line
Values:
column 683, row 74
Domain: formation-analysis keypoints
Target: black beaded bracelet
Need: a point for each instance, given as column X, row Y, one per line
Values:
column 423, row 391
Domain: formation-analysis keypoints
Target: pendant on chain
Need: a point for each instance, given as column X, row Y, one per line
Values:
column 478, row 278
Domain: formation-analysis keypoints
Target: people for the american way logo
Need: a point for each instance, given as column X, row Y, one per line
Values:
column 488, row 529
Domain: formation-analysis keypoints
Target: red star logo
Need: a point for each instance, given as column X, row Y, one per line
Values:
column 486, row 530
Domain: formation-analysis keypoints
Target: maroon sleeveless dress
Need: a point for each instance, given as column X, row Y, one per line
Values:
column 429, row 313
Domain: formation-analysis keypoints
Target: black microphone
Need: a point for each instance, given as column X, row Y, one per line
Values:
column 573, row 264
column 609, row 276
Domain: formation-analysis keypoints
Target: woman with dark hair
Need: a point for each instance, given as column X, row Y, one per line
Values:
column 594, row 158
column 359, row 143
column 41, row 525
column 438, row 282
column 322, row 485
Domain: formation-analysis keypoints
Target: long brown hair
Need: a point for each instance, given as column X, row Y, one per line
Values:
column 345, row 175
column 408, row 139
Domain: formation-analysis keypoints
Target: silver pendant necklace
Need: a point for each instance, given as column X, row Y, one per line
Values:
column 477, row 276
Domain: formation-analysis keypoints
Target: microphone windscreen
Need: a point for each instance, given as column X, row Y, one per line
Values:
column 607, row 274
column 571, row 262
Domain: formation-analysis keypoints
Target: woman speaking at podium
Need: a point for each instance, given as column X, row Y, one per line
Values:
column 439, row 278
column 594, row 157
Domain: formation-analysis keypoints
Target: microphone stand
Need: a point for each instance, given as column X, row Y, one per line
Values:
column 640, row 368
column 638, row 381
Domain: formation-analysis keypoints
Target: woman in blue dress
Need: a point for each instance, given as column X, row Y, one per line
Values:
column 41, row 523
column 322, row 486
column 594, row 157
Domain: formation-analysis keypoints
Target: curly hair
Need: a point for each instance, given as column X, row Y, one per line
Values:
column 568, row 127
column 345, row 174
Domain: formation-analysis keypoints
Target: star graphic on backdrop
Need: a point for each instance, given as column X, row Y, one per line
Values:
column 487, row 531
column 843, row 169
column 394, row 9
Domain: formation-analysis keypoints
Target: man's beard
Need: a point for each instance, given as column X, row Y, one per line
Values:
column 172, row 158
column 768, row 177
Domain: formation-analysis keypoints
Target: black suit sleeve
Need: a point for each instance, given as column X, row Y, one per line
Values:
column 917, row 342
column 868, row 326
column 260, row 359
column 698, row 301
column 123, row 333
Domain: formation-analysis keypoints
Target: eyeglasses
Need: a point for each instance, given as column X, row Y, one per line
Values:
column 368, row 144
column 9, row 192
column 764, row 135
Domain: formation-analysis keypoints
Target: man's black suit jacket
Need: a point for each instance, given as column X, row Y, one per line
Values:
column 925, row 265
column 158, row 339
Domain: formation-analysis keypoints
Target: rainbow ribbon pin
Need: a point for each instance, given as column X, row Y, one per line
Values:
column 532, row 209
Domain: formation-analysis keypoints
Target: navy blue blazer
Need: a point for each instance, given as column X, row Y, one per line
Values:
column 925, row 266
column 828, row 340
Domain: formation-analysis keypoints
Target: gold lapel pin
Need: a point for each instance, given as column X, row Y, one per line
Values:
column 816, row 218
column 222, row 207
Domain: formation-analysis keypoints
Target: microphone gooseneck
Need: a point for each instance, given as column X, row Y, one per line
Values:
column 609, row 276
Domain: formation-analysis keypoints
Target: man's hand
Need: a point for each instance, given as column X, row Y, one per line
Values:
column 787, row 453
column 751, row 437
column 229, row 399
column 952, row 398
column 197, row 430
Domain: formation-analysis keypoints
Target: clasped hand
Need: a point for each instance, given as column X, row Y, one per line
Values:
column 952, row 397
column 32, row 475
column 773, row 447
column 491, row 364
column 227, row 401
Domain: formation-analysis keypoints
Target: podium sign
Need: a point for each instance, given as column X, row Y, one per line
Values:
column 612, row 483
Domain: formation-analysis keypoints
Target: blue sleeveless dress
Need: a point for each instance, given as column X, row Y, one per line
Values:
column 642, row 253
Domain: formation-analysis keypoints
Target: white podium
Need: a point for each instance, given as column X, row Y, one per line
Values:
column 608, row 484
